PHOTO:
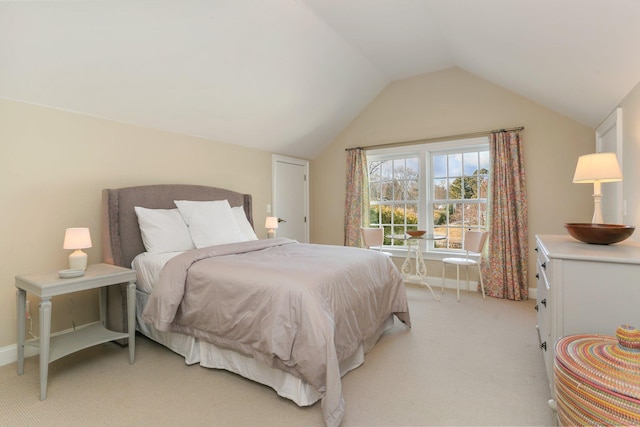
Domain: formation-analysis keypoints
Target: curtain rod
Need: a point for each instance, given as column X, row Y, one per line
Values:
column 437, row 139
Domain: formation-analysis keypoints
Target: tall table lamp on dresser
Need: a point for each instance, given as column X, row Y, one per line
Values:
column 597, row 168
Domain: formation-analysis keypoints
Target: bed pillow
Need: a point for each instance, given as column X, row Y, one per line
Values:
column 210, row 223
column 243, row 223
column 163, row 230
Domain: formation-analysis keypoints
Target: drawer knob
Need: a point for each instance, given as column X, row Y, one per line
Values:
column 543, row 346
column 536, row 307
column 544, row 302
column 544, row 265
column 537, row 276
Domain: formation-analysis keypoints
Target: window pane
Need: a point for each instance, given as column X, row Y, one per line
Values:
column 455, row 216
column 412, row 190
column 399, row 169
column 470, row 163
column 412, row 214
column 455, row 164
column 374, row 191
column 455, row 188
column 385, row 214
column 413, row 168
column 484, row 161
column 440, row 244
column 439, row 214
column 374, row 215
column 455, row 238
column 471, row 187
column 385, row 170
column 471, row 216
column 386, row 191
column 374, row 171
column 439, row 189
column 387, row 233
column 483, row 183
column 398, row 216
column 439, row 166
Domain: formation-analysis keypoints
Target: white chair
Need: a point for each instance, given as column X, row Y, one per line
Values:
column 373, row 238
column 473, row 244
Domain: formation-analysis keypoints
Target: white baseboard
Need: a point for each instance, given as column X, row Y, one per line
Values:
column 436, row 284
column 9, row 354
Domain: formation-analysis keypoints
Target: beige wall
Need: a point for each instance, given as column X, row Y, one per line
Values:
column 452, row 102
column 631, row 157
column 53, row 166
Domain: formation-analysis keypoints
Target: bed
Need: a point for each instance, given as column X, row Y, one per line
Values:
column 295, row 317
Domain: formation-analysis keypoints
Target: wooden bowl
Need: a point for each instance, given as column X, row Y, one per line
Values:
column 416, row 233
column 599, row 234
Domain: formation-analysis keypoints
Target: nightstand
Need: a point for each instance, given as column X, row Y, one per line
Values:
column 47, row 285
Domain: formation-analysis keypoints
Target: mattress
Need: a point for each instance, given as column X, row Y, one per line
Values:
column 196, row 351
column 148, row 267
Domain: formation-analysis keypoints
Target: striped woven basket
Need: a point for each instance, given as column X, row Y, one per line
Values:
column 597, row 379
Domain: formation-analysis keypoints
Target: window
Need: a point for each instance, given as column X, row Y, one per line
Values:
column 394, row 194
column 440, row 187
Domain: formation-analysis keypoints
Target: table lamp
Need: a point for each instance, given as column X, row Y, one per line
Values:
column 597, row 168
column 271, row 224
column 77, row 239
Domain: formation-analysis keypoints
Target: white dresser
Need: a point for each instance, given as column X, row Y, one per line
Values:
column 584, row 289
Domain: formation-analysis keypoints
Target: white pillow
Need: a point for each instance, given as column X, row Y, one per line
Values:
column 210, row 223
column 243, row 223
column 163, row 230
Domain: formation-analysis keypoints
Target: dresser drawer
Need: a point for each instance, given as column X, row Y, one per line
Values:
column 542, row 307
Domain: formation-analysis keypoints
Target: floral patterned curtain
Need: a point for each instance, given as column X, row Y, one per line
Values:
column 506, row 268
column 356, row 206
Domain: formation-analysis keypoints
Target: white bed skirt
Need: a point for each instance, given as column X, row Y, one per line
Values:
column 209, row 356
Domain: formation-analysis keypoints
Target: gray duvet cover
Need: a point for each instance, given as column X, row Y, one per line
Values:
column 301, row 308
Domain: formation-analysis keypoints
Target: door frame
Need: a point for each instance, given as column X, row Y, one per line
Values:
column 275, row 159
column 613, row 123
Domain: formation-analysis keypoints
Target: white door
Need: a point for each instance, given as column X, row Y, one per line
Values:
column 609, row 139
column 291, row 197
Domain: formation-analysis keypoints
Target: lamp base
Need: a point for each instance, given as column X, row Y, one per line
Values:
column 78, row 260
column 597, row 209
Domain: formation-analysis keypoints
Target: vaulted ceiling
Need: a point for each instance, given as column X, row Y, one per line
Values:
column 287, row 76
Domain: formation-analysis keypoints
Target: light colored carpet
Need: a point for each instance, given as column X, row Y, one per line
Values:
column 469, row 363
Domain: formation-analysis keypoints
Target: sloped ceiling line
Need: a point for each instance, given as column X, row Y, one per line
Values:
column 287, row 76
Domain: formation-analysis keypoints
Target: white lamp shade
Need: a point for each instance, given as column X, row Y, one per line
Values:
column 602, row 167
column 271, row 222
column 77, row 238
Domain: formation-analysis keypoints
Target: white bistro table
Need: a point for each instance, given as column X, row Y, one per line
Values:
column 47, row 285
column 418, row 273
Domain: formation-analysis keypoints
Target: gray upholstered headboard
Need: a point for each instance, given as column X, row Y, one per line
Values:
column 121, row 238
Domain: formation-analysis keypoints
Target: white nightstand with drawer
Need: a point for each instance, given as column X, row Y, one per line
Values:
column 49, row 284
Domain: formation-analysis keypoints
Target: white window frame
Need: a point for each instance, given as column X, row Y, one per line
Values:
column 424, row 153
